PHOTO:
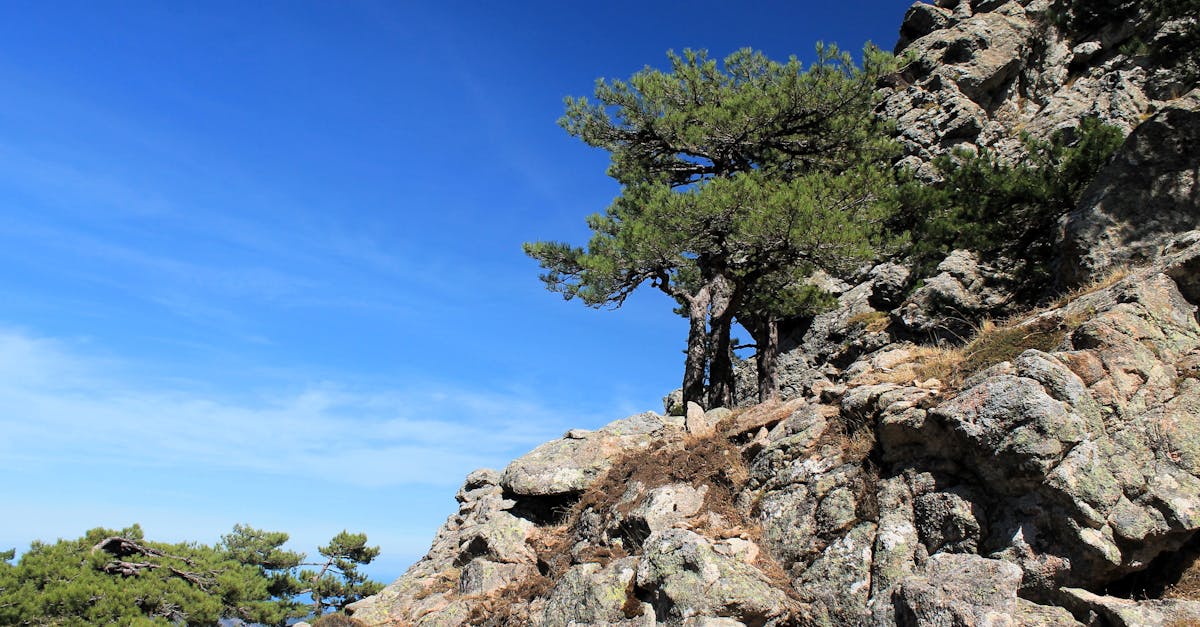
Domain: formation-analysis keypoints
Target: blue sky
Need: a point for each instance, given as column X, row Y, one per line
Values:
column 261, row 261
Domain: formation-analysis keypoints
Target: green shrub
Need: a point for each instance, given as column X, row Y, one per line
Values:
column 1004, row 209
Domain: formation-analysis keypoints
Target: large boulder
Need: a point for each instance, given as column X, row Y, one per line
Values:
column 960, row 590
column 951, row 303
column 971, row 590
column 570, row 464
column 687, row 575
column 595, row 594
column 1089, row 452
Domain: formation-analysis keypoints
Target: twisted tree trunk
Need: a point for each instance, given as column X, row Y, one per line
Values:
column 768, row 361
column 720, row 361
column 697, row 353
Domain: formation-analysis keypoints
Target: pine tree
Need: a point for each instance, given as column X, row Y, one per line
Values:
column 730, row 176
column 263, row 550
column 337, row 582
column 1005, row 210
column 119, row 577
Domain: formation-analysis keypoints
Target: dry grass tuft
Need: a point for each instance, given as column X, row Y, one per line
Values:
column 509, row 605
column 337, row 619
column 992, row 344
column 936, row 362
column 1097, row 284
column 995, row 343
column 440, row 583
column 929, row 362
column 872, row 321
column 1188, row 586
column 852, row 436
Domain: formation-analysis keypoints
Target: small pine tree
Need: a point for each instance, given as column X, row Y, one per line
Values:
column 337, row 582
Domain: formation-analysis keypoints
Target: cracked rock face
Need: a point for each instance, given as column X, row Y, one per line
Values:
column 685, row 574
column 984, row 72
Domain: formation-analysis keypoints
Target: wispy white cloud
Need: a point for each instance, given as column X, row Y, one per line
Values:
column 68, row 181
column 61, row 407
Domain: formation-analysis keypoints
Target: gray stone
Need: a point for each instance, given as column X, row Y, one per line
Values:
column 1030, row 614
column 571, row 464
column 481, row 483
column 838, row 581
column 712, row 621
column 686, row 575
column 920, row 20
column 673, row 403
column 667, row 506
column 834, row 337
column 1085, row 51
column 1024, row 431
column 500, row 538
column 697, row 422
column 947, row 522
column 889, row 281
column 717, row 414
column 481, row 576
column 591, row 594
column 961, row 590
column 951, row 303
column 1130, row 613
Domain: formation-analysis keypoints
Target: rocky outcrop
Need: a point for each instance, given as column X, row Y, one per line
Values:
column 564, row 467
column 982, row 73
column 1148, row 193
column 1033, row 488
column 491, row 541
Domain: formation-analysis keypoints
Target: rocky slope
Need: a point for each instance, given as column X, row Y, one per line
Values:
column 1047, row 472
column 1052, row 487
